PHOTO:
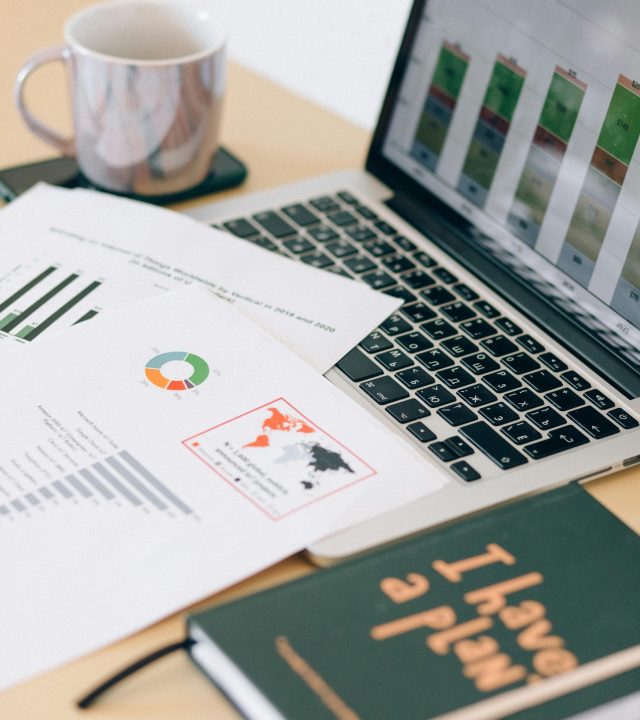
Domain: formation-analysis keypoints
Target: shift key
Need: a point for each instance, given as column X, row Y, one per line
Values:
column 485, row 438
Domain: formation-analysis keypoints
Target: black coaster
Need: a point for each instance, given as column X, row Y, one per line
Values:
column 227, row 171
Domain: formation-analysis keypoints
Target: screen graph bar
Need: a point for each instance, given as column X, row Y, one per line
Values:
column 491, row 130
column 605, row 177
column 39, row 303
column 437, row 113
column 25, row 288
column 626, row 296
column 549, row 145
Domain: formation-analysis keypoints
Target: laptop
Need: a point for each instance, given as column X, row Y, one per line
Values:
column 501, row 202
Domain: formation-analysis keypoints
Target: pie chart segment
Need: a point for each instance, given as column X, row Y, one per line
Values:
column 154, row 374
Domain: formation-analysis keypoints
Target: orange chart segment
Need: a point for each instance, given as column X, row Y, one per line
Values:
column 155, row 377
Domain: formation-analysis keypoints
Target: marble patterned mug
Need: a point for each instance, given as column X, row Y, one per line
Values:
column 147, row 81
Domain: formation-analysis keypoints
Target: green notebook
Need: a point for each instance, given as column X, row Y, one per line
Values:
column 525, row 597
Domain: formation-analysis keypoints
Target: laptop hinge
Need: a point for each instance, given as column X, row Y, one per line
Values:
column 447, row 230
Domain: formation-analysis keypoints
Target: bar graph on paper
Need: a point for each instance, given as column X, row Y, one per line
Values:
column 37, row 297
column 118, row 480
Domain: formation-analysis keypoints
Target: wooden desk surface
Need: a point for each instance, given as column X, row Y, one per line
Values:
column 282, row 138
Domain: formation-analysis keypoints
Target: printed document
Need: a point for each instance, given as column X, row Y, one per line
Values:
column 160, row 453
column 69, row 255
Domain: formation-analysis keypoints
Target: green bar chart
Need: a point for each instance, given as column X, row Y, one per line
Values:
column 601, row 188
column 439, row 106
column 548, row 147
column 626, row 296
column 491, row 130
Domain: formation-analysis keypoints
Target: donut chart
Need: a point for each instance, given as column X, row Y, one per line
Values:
column 153, row 371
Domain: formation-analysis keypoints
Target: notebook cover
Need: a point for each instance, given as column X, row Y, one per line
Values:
column 490, row 604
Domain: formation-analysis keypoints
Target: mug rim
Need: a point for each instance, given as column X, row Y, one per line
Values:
column 115, row 59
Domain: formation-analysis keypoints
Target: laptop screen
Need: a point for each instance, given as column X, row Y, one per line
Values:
column 525, row 118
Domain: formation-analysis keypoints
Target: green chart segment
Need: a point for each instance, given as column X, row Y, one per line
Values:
column 491, row 130
column 196, row 374
column 439, row 106
column 626, row 296
column 549, row 145
column 605, row 177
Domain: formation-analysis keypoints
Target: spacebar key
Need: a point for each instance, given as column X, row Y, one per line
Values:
column 493, row 445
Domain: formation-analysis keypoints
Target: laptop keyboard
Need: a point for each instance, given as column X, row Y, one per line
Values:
column 447, row 352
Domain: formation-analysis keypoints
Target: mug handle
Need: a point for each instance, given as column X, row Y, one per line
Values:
column 59, row 53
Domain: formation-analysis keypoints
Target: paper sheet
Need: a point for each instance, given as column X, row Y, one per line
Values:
column 158, row 454
column 79, row 253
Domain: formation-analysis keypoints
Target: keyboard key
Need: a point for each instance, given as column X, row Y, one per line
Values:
column 486, row 309
column 600, row 400
column 424, row 259
column 323, row 233
column 418, row 312
column 402, row 293
column 442, row 451
column 499, row 346
column 421, row 432
column 466, row 292
column 576, row 381
column 378, row 280
column 434, row 359
column 274, row 224
column 341, row 248
column 241, row 227
column 542, row 381
column 520, row 363
column 521, row 433
column 367, row 213
column 502, row 381
column 523, row 399
column 553, row 362
column 459, row 346
column 414, row 342
column 317, row 260
column 360, row 233
column 508, row 326
column 498, row 414
column 348, row 198
column 455, row 377
column 459, row 446
column 407, row 410
column 546, row 418
column 374, row 342
column 457, row 311
column 395, row 324
column 404, row 243
column 530, row 344
column 394, row 360
column 478, row 328
column 438, row 329
column 437, row 295
column 593, row 422
column 477, row 395
column 445, row 276
column 436, row 395
column 385, row 228
column 480, row 363
column 359, row 264
column 623, row 418
column 263, row 242
column 457, row 414
column 298, row 245
column 357, row 366
column 465, row 471
column 417, row 279
column 337, row 270
column 486, row 439
column 384, row 390
column 415, row 377
column 300, row 215
column 378, row 248
column 342, row 218
column 559, row 440
column 564, row 399
column 398, row 264
column 324, row 204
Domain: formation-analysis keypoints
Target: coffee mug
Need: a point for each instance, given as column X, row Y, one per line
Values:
column 147, row 81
